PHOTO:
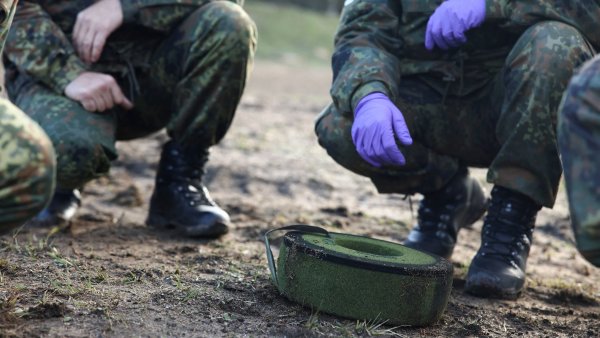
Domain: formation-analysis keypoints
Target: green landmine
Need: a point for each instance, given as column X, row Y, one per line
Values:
column 363, row 278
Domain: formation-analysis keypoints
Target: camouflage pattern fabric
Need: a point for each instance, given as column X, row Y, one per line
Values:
column 490, row 103
column 27, row 167
column 26, row 155
column 579, row 145
column 7, row 12
column 183, row 64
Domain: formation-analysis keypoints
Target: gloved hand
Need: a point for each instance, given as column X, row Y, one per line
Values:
column 376, row 123
column 447, row 25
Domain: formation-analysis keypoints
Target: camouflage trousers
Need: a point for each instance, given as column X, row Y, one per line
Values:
column 27, row 167
column 190, row 83
column 508, row 126
column 579, row 145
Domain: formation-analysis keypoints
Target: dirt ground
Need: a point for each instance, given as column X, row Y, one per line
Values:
column 110, row 275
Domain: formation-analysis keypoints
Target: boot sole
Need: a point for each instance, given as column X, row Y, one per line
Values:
column 486, row 284
column 211, row 231
column 485, row 291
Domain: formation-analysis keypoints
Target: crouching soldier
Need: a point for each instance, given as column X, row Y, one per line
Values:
column 26, row 156
column 579, row 145
column 91, row 73
column 423, row 90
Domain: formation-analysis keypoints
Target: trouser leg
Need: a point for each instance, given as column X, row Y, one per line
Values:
column 27, row 167
column 579, row 144
column 197, row 76
column 84, row 142
column 526, row 170
column 535, row 76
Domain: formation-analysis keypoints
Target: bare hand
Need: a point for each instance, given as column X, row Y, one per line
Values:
column 97, row 92
column 93, row 26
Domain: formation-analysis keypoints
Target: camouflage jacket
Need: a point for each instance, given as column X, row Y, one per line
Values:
column 40, row 45
column 379, row 41
column 7, row 11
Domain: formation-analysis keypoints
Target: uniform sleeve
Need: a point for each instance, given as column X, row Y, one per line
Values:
column 144, row 12
column 582, row 14
column 367, row 52
column 38, row 47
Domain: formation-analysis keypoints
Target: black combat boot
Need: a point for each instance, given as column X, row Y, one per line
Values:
column 61, row 209
column 442, row 213
column 498, row 268
column 180, row 199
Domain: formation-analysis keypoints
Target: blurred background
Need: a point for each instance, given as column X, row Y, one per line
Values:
column 295, row 30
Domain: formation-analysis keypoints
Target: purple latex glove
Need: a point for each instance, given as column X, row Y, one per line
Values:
column 447, row 25
column 376, row 122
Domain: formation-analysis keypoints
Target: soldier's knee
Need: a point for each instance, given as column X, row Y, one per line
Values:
column 555, row 46
column 43, row 178
column 28, row 168
column 79, row 160
column 233, row 25
column 583, row 86
column 334, row 135
column 584, row 82
column 332, row 131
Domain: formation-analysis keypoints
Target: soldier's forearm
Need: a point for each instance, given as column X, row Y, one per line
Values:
column 37, row 46
column 367, row 51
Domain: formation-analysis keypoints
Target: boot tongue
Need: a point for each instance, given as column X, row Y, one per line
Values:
column 507, row 239
column 509, row 225
column 194, row 163
column 194, row 156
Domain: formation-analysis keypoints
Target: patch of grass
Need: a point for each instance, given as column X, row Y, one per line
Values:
column 191, row 294
column 19, row 287
column 59, row 259
column 132, row 277
column 64, row 288
column 100, row 277
column 461, row 270
column 361, row 328
column 6, row 267
column 375, row 327
column 227, row 317
column 290, row 33
column 8, row 315
column 559, row 291
column 32, row 248
column 570, row 293
column 312, row 322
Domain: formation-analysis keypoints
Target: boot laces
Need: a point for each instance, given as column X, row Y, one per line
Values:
column 507, row 231
column 434, row 216
column 506, row 246
column 436, row 213
column 188, row 177
column 195, row 194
